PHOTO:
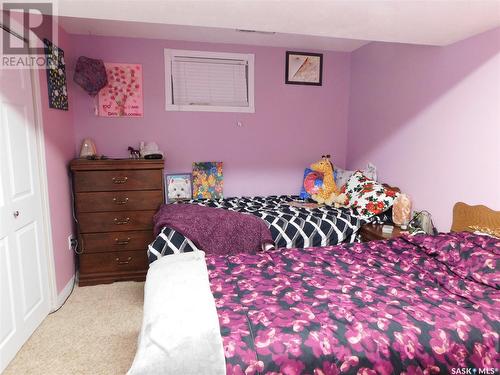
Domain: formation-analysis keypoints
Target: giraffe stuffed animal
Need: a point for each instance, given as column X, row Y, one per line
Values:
column 329, row 193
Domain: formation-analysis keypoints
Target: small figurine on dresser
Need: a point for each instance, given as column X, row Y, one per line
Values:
column 133, row 153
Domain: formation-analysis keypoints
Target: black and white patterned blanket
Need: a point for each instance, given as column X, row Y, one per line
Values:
column 291, row 226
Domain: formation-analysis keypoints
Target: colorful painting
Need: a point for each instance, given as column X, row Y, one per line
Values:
column 304, row 68
column 56, row 76
column 207, row 180
column 178, row 187
column 122, row 96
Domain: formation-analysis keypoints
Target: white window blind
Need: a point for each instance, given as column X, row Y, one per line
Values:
column 209, row 81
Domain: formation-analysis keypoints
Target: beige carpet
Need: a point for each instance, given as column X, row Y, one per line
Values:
column 95, row 332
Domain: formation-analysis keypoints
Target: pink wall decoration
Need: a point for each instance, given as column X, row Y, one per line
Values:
column 122, row 97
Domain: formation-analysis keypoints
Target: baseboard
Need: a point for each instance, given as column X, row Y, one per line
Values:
column 63, row 295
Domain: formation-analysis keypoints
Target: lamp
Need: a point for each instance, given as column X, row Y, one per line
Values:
column 88, row 148
column 401, row 211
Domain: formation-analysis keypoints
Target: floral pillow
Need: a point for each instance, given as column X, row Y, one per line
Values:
column 367, row 196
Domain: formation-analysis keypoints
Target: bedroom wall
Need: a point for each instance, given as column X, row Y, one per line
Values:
column 429, row 118
column 292, row 125
column 59, row 150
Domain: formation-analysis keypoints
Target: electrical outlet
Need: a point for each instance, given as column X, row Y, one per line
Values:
column 71, row 242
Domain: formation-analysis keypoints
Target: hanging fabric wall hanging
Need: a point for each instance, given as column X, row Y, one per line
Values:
column 90, row 74
column 56, row 76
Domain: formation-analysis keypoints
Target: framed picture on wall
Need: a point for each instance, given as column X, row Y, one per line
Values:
column 178, row 186
column 304, row 68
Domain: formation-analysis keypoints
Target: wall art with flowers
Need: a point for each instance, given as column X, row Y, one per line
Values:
column 123, row 96
column 56, row 76
column 207, row 180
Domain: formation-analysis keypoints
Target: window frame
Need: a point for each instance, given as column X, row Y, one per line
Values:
column 171, row 53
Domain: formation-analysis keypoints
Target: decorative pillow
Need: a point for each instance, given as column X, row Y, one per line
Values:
column 313, row 181
column 368, row 197
column 341, row 176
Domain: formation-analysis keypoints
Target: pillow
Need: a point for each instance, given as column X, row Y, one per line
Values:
column 341, row 176
column 367, row 196
column 468, row 255
column 312, row 182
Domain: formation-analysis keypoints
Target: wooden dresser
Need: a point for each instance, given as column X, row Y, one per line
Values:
column 115, row 201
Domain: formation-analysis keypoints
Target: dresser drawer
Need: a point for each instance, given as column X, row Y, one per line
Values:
column 115, row 221
column 148, row 179
column 115, row 241
column 113, row 262
column 119, row 201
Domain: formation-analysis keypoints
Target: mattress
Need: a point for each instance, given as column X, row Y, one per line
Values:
column 290, row 225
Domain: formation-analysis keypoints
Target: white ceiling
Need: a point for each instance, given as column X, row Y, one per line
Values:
column 204, row 34
column 308, row 24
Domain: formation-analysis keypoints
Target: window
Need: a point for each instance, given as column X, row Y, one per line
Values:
column 209, row 81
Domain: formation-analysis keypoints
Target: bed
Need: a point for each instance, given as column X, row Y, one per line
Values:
column 414, row 305
column 292, row 224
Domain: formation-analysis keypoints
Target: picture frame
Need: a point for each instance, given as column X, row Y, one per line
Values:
column 208, row 180
column 178, row 187
column 304, row 68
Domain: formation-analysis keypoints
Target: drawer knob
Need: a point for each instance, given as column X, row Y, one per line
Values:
column 121, row 220
column 119, row 180
column 122, row 242
column 120, row 201
column 119, row 261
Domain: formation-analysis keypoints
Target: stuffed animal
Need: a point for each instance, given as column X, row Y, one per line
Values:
column 329, row 193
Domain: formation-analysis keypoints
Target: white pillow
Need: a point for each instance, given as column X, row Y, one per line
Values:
column 341, row 176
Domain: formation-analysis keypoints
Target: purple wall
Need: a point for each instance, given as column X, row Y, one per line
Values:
column 429, row 118
column 292, row 125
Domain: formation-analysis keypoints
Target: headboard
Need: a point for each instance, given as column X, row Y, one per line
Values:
column 483, row 218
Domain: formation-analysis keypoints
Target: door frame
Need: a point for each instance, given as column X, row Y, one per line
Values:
column 44, row 187
column 42, row 169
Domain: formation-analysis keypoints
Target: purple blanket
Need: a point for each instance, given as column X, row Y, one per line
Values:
column 214, row 230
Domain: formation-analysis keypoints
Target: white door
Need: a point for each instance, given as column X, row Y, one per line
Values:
column 24, row 279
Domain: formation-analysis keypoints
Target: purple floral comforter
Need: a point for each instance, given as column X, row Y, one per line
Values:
column 418, row 305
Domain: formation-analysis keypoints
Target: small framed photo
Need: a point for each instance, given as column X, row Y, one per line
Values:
column 178, row 186
column 304, row 68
